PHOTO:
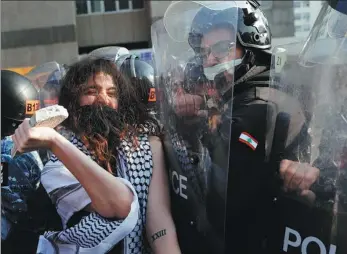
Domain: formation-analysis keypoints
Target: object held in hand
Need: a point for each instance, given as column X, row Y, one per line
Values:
column 50, row 116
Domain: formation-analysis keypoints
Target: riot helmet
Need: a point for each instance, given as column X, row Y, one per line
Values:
column 196, row 123
column 140, row 72
column 253, row 36
column 19, row 100
column 183, row 38
column 142, row 75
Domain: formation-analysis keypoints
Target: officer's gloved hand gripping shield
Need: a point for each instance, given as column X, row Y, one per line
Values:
column 195, row 37
column 314, row 75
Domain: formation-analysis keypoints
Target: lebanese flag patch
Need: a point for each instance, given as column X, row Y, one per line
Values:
column 248, row 140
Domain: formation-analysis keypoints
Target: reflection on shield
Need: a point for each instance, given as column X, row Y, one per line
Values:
column 195, row 118
column 314, row 75
column 46, row 78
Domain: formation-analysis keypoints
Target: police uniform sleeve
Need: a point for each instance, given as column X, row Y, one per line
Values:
column 24, row 173
column 249, row 196
column 31, row 163
column 252, row 180
column 248, row 141
column 247, row 171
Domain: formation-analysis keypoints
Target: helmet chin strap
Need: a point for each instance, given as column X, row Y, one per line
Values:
column 213, row 71
column 245, row 66
column 241, row 70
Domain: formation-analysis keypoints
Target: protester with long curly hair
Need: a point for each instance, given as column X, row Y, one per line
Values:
column 107, row 175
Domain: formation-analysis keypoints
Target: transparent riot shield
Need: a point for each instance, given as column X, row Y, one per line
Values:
column 46, row 78
column 307, row 122
column 111, row 53
column 196, row 119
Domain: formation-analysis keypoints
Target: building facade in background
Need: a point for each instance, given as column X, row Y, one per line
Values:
column 305, row 14
column 111, row 22
column 34, row 32
column 280, row 16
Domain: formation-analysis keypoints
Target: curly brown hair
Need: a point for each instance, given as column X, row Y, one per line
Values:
column 103, row 136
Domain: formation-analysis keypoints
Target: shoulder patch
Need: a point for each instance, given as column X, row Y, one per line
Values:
column 248, row 140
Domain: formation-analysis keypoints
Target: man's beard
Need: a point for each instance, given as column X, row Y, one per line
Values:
column 100, row 128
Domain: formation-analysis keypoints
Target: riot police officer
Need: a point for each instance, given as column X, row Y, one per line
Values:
column 19, row 100
column 320, row 226
column 142, row 76
column 230, row 43
column 46, row 78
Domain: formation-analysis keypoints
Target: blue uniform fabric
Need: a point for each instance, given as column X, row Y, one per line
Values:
column 24, row 178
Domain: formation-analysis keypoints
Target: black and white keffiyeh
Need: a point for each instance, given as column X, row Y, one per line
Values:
column 95, row 234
